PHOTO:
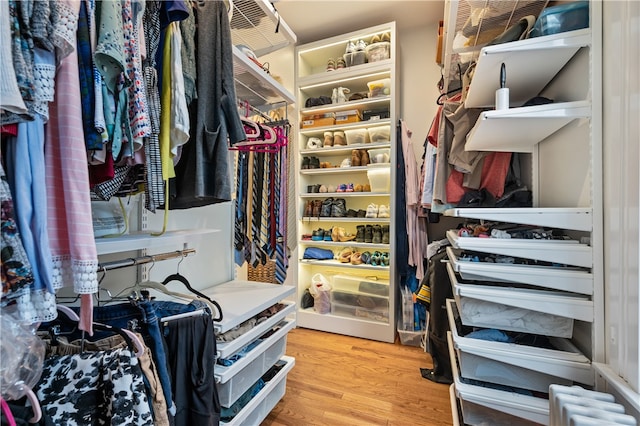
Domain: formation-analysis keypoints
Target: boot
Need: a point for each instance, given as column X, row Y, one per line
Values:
column 308, row 209
column 355, row 158
column 339, row 138
column 305, row 162
column 339, row 208
column 328, row 139
column 317, row 208
column 364, row 157
column 368, row 234
column 360, row 233
column 325, row 210
column 314, row 163
column 377, row 235
column 385, row 234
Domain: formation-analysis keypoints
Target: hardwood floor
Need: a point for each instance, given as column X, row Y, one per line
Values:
column 342, row 380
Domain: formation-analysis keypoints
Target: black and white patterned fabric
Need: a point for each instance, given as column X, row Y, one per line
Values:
column 94, row 388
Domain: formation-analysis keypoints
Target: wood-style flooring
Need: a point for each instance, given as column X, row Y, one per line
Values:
column 341, row 380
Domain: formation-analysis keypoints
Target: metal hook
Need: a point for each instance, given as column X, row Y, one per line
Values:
column 104, row 274
column 181, row 259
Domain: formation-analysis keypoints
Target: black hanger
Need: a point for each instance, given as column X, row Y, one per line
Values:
column 181, row 278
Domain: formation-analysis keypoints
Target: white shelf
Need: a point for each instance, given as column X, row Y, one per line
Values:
column 345, row 195
column 329, row 150
column 140, row 241
column 557, row 278
column 255, row 85
column 338, row 264
column 361, row 104
column 254, row 24
column 337, row 170
column 232, row 297
column 363, row 73
column 526, row 74
column 578, row 218
column 519, row 129
column 567, row 252
column 309, row 219
column 347, row 126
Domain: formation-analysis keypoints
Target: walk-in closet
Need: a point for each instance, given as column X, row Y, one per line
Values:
column 305, row 212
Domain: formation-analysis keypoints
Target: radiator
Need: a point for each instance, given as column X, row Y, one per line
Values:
column 576, row 406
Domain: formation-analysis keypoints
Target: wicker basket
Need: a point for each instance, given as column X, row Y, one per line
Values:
column 263, row 273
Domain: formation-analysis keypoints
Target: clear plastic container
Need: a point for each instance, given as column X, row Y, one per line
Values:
column 360, row 284
column 379, row 134
column 380, row 179
column 378, row 51
column 380, row 87
column 380, row 155
column 356, row 136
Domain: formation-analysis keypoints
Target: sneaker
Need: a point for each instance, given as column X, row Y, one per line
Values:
column 349, row 187
column 328, row 235
column 346, row 162
column 317, row 235
column 360, row 45
column 383, row 211
column 366, row 258
column 351, row 47
column 372, row 211
column 385, row 259
column 342, row 188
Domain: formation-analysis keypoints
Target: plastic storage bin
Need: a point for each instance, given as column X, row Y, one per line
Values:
column 357, row 299
column 362, row 285
column 379, row 314
column 409, row 337
column 379, row 134
column 380, row 179
column 380, row 87
column 378, row 51
column 561, row 18
column 380, row 155
column 356, row 136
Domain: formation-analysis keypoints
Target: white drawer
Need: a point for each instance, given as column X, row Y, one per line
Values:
column 232, row 381
column 226, row 349
column 526, row 367
column 486, row 406
column 567, row 252
column 557, row 278
column 261, row 405
column 507, row 307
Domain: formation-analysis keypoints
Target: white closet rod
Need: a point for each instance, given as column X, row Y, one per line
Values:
column 135, row 261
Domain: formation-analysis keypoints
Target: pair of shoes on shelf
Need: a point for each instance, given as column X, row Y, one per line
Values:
column 381, row 37
column 321, row 235
column 372, row 211
column 339, row 234
column 345, row 187
column 336, row 138
column 314, row 143
column 312, row 208
column 310, row 163
column 359, row 157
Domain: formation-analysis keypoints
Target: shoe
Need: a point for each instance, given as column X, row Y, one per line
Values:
column 383, row 211
column 384, row 259
column 366, row 187
column 375, row 39
column 340, row 63
column 328, row 139
column 385, row 234
column 305, row 162
column 344, row 236
column 376, row 258
column 351, row 213
column 351, row 47
column 385, row 37
column 325, row 210
column 345, row 255
column 306, row 237
column 328, row 235
column 355, row 157
column 366, row 258
column 331, row 188
column 334, row 96
column 360, row 233
column 339, row 208
column 339, row 139
column 368, row 233
column 364, row 157
column 346, row 162
column 349, row 187
column 314, row 163
column 308, row 209
column 331, row 65
column 342, row 188
column 334, row 234
column 357, row 188
column 361, row 213
column 317, row 235
column 377, row 234
column 356, row 258
column 314, row 143
column 317, row 208
column 360, row 45
column 323, row 189
column 325, row 165
column 342, row 94
column 372, row 211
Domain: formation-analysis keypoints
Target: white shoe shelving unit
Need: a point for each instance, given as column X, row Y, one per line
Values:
column 313, row 80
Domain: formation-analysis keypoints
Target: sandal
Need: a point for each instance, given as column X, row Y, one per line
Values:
column 356, row 258
column 345, row 255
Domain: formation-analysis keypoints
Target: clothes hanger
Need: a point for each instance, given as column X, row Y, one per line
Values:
column 181, row 278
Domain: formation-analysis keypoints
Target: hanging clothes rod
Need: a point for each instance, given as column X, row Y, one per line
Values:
column 135, row 261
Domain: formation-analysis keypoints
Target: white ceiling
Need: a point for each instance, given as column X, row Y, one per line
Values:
column 313, row 20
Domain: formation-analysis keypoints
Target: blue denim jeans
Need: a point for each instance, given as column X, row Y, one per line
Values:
column 144, row 316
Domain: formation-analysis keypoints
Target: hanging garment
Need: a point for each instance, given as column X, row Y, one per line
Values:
column 191, row 344
column 10, row 97
column 203, row 175
column 94, row 388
